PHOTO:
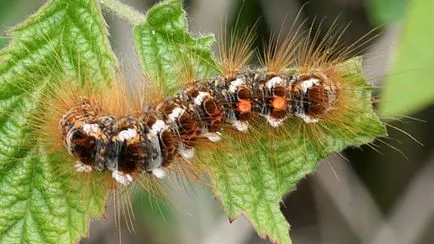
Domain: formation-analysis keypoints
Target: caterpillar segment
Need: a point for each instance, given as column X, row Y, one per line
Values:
column 171, row 129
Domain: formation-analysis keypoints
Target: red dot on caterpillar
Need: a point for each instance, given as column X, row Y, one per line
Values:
column 279, row 103
column 244, row 106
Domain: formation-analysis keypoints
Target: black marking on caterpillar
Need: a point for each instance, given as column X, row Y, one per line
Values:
column 149, row 142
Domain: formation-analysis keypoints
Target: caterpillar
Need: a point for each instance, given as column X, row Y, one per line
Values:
column 149, row 142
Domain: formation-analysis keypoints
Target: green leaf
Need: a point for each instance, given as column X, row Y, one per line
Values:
column 253, row 180
column 163, row 44
column 41, row 203
column 410, row 88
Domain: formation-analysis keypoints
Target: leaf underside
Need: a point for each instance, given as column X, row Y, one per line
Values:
column 39, row 202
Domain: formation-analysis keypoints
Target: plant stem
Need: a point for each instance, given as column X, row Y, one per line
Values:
column 124, row 11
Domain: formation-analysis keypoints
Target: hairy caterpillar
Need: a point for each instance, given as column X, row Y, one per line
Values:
column 150, row 141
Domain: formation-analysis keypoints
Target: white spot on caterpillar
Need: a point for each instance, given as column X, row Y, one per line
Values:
column 121, row 178
column 90, row 129
column 306, row 84
column 159, row 173
column 153, row 32
column 273, row 121
column 273, row 81
column 214, row 137
column 127, row 134
column 176, row 113
column 158, row 126
column 82, row 168
column 240, row 125
column 187, row 154
column 199, row 99
column 235, row 84
column 307, row 118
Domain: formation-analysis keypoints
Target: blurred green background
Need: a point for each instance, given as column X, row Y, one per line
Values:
column 382, row 193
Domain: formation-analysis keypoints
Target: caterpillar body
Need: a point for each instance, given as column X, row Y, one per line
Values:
column 150, row 141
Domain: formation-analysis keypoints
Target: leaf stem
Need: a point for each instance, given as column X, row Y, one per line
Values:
column 124, row 11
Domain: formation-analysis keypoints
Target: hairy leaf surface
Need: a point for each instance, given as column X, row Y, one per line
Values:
column 164, row 45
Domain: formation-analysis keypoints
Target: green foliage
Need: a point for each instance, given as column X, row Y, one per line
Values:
column 40, row 204
column 163, row 40
column 410, row 87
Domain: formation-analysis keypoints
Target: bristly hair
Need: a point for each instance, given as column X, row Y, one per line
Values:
column 281, row 51
column 235, row 50
column 327, row 49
